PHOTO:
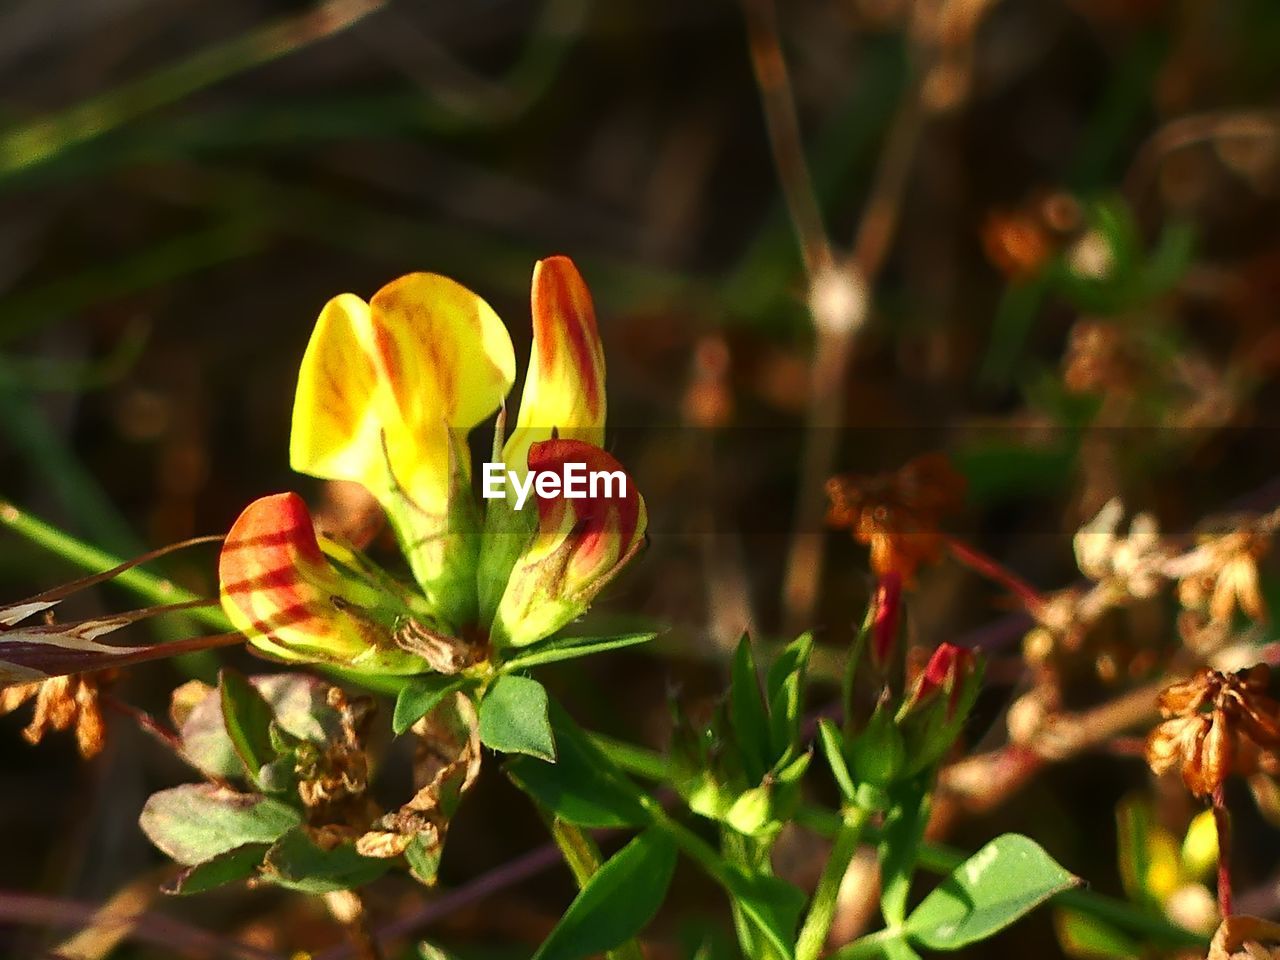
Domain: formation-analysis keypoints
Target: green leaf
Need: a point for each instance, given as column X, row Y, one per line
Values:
column 224, row 868
column 896, row 949
column 583, row 787
column 617, row 902
column 513, row 718
column 785, row 690
column 423, row 857
column 300, row 706
column 570, row 648
column 772, row 904
column 296, row 863
column 1008, row 877
column 832, row 744
column 247, row 717
column 420, row 696
column 899, row 846
column 1088, row 938
column 198, row 821
column 746, row 709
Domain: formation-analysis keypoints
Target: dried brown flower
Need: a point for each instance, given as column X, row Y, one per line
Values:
column 1099, row 359
column 333, row 780
column 1209, row 719
column 1221, row 574
column 1246, row 938
column 446, row 764
column 60, row 704
column 897, row 514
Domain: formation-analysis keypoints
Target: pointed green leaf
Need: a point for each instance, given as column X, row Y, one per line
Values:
column 420, row 696
column 746, row 709
column 198, row 821
column 617, row 902
column 247, row 717
column 1000, row 883
column 225, row 868
column 833, row 749
column 513, row 718
column 570, row 648
column 785, row 689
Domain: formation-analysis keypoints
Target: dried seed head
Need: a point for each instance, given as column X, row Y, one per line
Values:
column 1246, row 938
column 1214, row 722
column 1221, row 575
column 62, row 703
column 897, row 514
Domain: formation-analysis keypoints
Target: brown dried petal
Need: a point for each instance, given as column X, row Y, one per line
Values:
column 1167, row 743
column 383, row 844
column 11, row 698
column 1207, row 766
column 1188, row 696
column 1245, row 938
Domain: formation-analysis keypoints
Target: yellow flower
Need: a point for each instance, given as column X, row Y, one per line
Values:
column 387, row 394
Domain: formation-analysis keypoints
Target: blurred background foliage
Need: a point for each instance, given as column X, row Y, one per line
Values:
column 1079, row 300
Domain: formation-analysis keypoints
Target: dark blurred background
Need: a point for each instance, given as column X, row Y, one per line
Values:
column 1079, row 301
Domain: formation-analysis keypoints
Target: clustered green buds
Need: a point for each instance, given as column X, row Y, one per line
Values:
column 744, row 769
column 901, row 743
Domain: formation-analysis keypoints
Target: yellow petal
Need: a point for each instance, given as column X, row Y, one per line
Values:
column 336, row 428
column 392, row 379
column 564, row 388
column 446, row 362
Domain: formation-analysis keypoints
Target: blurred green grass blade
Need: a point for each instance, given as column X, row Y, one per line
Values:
column 158, row 264
column 34, row 143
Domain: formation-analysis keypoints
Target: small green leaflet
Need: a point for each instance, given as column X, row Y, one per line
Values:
column 570, row 648
column 513, row 718
column 196, row 822
column 421, row 695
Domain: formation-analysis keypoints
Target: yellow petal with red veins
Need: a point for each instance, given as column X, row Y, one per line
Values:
column 580, row 545
column 564, row 388
column 446, row 363
column 383, row 384
column 336, row 430
column 279, row 589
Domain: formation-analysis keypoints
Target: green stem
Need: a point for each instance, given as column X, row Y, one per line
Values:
column 822, row 909
column 149, row 586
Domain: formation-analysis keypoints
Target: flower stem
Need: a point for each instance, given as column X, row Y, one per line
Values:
column 822, row 909
column 1222, row 821
column 993, row 570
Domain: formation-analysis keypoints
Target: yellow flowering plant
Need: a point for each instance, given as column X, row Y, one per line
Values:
column 388, row 393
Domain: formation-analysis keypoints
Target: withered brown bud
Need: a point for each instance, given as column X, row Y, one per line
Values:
column 1209, row 718
column 898, row 514
column 63, row 703
column 1246, row 938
